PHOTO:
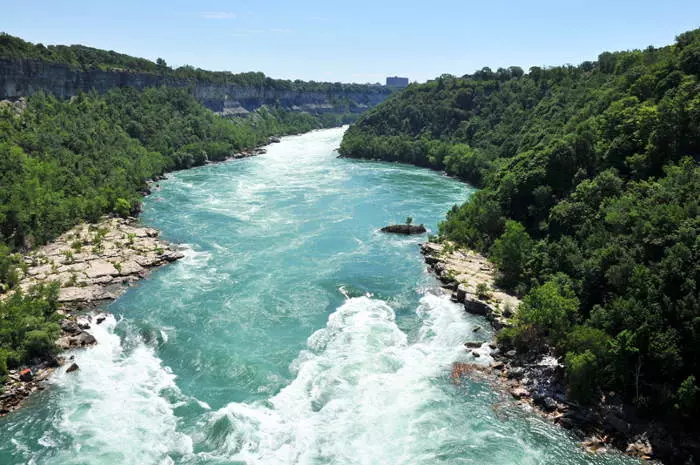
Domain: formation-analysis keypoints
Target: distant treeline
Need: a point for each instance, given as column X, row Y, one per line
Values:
column 92, row 58
column 589, row 206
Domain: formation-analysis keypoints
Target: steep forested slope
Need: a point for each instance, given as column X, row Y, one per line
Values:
column 589, row 206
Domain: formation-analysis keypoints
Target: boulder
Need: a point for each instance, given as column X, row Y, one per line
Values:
column 129, row 267
column 519, row 392
column 70, row 327
column 616, row 424
column 516, row 373
column 84, row 339
column 546, row 402
column 72, row 368
column 99, row 268
column 461, row 293
column 477, row 307
column 430, row 248
column 174, row 255
column 26, row 375
column 473, row 344
column 640, row 448
column 404, row 229
column 497, row 365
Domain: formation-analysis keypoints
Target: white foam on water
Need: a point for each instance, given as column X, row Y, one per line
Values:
column 115, row 409
column 362, row 393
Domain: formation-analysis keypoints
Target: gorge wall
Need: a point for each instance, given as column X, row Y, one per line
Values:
column 24, row 77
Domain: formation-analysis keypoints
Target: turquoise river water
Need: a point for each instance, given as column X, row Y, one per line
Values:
column 293, row 332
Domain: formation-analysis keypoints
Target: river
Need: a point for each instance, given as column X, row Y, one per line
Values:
column 292, row 332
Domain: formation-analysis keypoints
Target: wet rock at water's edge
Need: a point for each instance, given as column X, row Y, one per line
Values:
column 72, row 368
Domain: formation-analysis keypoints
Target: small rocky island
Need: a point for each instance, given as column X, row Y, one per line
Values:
column 407, row 228
column 404, row 229
column 92, row 264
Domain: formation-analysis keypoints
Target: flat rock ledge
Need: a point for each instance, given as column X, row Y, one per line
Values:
column 92, row 264
column 96, row 262
column 404, row 229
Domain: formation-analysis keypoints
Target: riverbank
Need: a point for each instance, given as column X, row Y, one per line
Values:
column 534, row 381
column 92, row 264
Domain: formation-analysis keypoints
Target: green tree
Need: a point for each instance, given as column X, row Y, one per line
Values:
column 510, row 252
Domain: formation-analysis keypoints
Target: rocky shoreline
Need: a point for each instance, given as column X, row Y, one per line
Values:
column 92, row 264
column 534, row 381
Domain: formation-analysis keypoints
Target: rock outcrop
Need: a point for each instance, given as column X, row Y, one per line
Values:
column 94, row 263
column 471, row 278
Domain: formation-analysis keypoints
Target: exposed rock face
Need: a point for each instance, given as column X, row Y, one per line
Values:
column 404, row 229
column 24, row 77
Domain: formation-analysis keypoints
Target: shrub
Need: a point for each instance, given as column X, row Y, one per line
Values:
column 38, row 343
column 483, row 292
column 688, row 397
column 122, row 207
column 3, row 364
column 582, row 372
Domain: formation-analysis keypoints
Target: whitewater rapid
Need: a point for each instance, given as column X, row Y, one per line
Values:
column 362, row 394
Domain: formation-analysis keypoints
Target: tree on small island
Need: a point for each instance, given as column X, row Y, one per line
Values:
column 406, row 228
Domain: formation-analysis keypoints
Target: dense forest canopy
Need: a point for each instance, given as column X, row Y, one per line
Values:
column 590, row 206
column 63, row 162
column 86, row 58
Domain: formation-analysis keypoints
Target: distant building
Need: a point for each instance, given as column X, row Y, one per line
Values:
column 397, row 82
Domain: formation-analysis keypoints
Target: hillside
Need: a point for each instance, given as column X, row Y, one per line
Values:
column 64, row 71
column 589, row 207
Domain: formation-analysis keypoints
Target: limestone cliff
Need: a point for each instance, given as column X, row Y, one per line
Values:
column 24, row 77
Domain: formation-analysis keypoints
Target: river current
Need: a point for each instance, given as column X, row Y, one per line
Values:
column 292, row 332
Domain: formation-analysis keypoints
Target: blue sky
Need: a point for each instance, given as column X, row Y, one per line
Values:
column 354, row 40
